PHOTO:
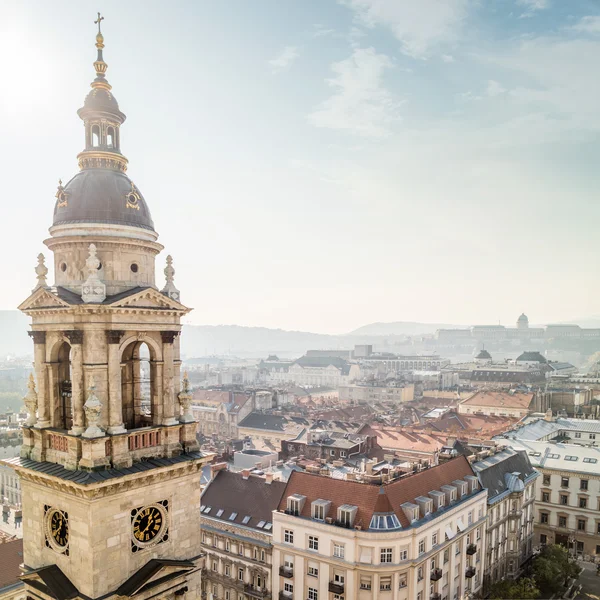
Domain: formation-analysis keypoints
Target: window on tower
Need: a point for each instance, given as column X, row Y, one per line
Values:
column 110, row 137
column 95, row 135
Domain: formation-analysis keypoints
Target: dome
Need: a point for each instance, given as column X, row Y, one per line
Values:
column 484, row 354
column 102, row 196
column 523, row 318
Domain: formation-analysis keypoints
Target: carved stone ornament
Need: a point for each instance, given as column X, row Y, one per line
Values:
column 114, row 336
column 75, row 336
column 170, row 290
column 39, row 337
column 93, row 290
column 168, row 337
column 31, row 401
column 185, row 401
column 41, row 271
column 92, row 409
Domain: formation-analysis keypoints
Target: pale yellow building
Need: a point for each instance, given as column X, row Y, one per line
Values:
column 420, row 537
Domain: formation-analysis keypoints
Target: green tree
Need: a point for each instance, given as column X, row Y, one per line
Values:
column 552, row 568
column 522, row 589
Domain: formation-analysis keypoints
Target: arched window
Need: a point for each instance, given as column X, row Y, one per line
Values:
column 110, row 137
column 95, row 135
column 64, row 413
column 138, row 386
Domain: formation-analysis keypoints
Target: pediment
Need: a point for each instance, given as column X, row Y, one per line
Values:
column 43, row 298
column 148, row 298
column 152, row 574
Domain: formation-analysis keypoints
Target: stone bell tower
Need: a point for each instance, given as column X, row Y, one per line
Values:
column 110, row 465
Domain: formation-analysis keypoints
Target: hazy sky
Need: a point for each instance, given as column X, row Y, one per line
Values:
column 322, row 164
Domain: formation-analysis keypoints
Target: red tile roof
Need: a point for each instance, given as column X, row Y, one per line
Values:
column 499, row 400
column 11, row 556
column 366, row 497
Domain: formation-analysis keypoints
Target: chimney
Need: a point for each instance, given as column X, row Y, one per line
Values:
column 214, row 469
column 245, row 473
column 548, row 416
column 269, row 478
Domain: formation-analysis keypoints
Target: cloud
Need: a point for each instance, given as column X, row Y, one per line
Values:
column 588, row 25
column 288, row 55
column 319, row 30
column 494, row 88
column 361, row 104
column 420, row 25
column 531, row 6
column 447, row 58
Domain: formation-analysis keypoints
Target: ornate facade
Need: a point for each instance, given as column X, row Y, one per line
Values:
column 110, row 467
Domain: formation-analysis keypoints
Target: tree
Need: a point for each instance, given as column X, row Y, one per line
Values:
column 553, row 568
column 522, row 589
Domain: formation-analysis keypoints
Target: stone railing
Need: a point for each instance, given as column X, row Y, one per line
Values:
column 58, row 442
column 144, row 439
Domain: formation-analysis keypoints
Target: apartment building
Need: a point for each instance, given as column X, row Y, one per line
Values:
column 510, row 479
column 236, row 530
column 359, row 394
column 567, row 505
column 419, row 537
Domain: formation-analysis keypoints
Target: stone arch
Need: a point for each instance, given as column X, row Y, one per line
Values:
column 149, row 339
column 60, row 391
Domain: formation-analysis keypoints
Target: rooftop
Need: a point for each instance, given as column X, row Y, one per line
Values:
column 509, row 400
column 11, row 556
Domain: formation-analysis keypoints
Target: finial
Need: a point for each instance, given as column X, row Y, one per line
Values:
column 185, row 400
column 99, row 64
column 93, row 290
column 41, row 271
column 31, row 401
column 92, row 409
column 61, row 195
column 170, row 290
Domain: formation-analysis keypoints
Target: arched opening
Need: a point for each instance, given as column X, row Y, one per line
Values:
column 95, row 135
column 64, row 417
column 138, row 386
column 110, row 137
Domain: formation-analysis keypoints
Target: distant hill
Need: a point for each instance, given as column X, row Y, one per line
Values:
column 14, row 340
column 401, row 328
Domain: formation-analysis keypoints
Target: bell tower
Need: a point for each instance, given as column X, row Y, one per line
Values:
column 110, row 466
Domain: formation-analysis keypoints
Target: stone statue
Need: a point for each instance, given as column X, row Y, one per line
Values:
column 41, row 271
column 93, row 290
column 185, row 401
column 31, row 401
column 170, row 290
column 92, row 409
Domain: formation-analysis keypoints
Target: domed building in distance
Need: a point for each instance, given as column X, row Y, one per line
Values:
column 523, row 322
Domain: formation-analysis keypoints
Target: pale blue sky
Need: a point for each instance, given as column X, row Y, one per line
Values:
column 319, row 165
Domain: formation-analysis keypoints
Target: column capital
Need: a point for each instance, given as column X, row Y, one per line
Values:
column 39, row 337
column 114, row 336
column 75, row 336
column 168, row 337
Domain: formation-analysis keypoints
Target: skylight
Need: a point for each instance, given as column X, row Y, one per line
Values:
column 384, row 522
column 553, row 455
column 261, row 524
column 207, row 510
column 202, row 508
column 220, row 512
column 572, row 458
column 232, row 516
column 269, row 526
column 246, row 520
column 590, row 460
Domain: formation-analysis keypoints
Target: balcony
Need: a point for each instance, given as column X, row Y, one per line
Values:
column 285, row 595
column 470, row 572
column 436, row 574
column 471, row 549
column 336, row 587
column 255, row 592
column 435, row 596
column 287, row 572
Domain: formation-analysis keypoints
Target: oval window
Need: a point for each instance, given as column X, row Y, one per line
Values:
column 134, row 268
column 63, row 267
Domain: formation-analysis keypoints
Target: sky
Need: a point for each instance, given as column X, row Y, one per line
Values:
column 319, row 165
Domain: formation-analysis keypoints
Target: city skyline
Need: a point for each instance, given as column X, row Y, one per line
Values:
column 316, row 167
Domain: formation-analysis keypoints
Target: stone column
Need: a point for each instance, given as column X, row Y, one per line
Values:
column 115, row 401
column 75, row 337
column 39, row 362
column 168, row 337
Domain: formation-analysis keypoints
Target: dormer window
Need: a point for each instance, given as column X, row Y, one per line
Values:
column 425, row 505
column 320, row 509
column 439, row 499
column 411, row 511
column 461, row 486
column 450, row 492
column 346, row 515
column 295, row 503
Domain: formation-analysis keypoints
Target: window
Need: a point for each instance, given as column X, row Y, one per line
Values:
column 403, row 554
column 577, row 434
column 338, row 550
column 420, row 574
column 288, row 536
column 110, row 137
column 545, row 496
column 319, row 511
column 246, row 520
column 240, row 549
column 215, row 566
column 332, row 453
column 470, row 518
column 385, row 584
column 220, row 512
column 312, row 594
column 255, row 554
column 313, row 542
column 421, row 547
column 582, row 502
column 543, row 539
column 546, row 479
column 420, row 596
column 288, row 587
column 590, row 460
column 598, row 531
column 544, row 517
column 204, row 538
column 262, row 556
column 343, row 454
column 592, row 436
column 232, row 516
column 227, row 570
column 446, row 555
column 478, row 534
column 403, row 581
column 365, row 583
column 313, row 570
column 564, row 499
column 564, row 482
column 227, row 546
column 386, row 555
column 583, row 484
column 261, row 524
column 562, row 521
column 434, row 539
column 572, row 458
column 95, row 136
column 345, row 515
column 581, row 523
column 227, row 596
column 432, row 566
column 241, row 574
column 294, row 504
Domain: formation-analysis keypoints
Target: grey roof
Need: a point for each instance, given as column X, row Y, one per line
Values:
column 73, row 298
column 257, row 420
column 91, row 477
column 484, row 354
column 492, row 471
column 141, row 578
column 54, row 583
column 532, row 357
column 100, row 196
column 251, row 497
column 540, row 429
column 324, row 361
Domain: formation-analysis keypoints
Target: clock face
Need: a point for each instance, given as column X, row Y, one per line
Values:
column 57, row 529
column 149, row 525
